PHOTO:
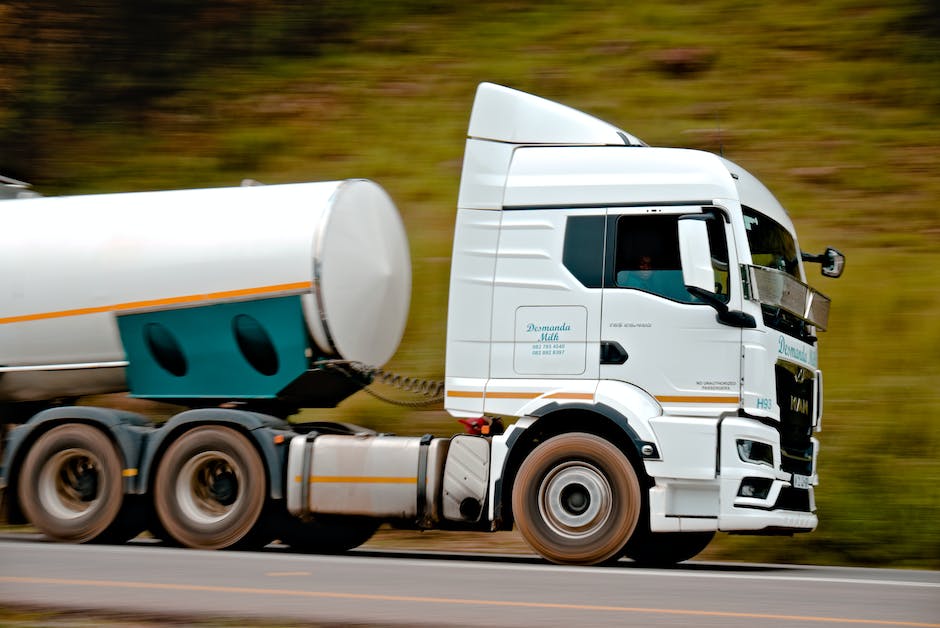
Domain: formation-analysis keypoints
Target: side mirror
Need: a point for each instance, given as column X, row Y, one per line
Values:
column 832, row 261
column 698, row 273
column 835, row 263
column 695, row 254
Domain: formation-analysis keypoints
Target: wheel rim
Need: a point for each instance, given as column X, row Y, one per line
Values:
column 207, row 488
column 69, row 483
column 575, row 499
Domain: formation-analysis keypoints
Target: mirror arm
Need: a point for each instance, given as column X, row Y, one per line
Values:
column 731, row 318
column 815, row 259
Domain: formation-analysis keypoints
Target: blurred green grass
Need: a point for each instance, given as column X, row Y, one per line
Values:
column 832, row 104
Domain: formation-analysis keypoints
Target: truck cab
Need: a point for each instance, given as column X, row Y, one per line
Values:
column 601, row 282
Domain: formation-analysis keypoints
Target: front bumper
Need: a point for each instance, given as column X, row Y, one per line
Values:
column 745, row 495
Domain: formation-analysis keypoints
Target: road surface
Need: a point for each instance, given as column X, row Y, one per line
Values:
column 399, row 588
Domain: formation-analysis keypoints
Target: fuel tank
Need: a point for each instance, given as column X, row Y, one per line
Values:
column 71, row 267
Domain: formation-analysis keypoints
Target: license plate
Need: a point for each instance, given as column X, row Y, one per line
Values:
column 800, row 481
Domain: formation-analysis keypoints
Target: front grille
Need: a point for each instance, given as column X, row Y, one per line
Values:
column 795, row 398
column 801, row 463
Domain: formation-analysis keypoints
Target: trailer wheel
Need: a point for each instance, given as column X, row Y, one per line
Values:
column 326, row 534
column 70, row 485
column 210, row 489
column 576, row 499
column 661, row 549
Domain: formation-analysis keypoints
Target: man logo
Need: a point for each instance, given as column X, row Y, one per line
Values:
column 799, row 405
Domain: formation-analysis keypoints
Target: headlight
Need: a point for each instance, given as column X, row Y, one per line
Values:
column 755, row 452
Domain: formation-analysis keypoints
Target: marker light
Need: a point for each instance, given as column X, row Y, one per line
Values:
column 474, row 425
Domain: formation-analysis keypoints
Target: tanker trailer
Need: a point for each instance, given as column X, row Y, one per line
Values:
column 202, row 297
column 199, row 295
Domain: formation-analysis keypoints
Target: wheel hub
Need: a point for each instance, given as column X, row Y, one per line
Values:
column 224, row 488
column 575, row 499
column 207, row 488
column 68, row 483
column 87, row 486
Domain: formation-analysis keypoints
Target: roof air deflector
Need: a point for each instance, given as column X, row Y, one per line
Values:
column 507, row 115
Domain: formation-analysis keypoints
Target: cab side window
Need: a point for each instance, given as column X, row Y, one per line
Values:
column 647, row 258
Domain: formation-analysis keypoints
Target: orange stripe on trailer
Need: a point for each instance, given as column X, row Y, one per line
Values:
column 360, row 479
column 150, row 303
column 668, row 399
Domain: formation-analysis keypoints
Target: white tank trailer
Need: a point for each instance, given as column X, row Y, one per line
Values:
column 199, row 294
column 639, row 314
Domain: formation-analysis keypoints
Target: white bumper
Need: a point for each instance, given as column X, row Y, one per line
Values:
column 779, row 502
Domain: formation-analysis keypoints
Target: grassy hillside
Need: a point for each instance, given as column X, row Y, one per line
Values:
column 833, row 105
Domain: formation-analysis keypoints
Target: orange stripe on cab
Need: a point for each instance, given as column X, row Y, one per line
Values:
column 572, row 395
column 668, row 399
column 465, row 394
column 475, row 394
column 513, row 395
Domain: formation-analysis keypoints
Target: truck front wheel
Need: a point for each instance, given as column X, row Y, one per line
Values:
column 576, row 499
column 70, row 486
column 210, row 489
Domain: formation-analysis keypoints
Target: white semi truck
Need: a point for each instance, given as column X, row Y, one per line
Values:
column 637, row 316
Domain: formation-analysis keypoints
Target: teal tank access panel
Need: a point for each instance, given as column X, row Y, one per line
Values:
column 241, row 350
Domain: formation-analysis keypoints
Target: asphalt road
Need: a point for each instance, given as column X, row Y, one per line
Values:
column 408, row 588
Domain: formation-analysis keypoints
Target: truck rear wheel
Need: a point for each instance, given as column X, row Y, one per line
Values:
column 661, row 549
column 210, row 489
column 576, row 499
column 70, row 486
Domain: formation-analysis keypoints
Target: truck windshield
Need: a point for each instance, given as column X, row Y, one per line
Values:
column 771, row 245
column 774, row 280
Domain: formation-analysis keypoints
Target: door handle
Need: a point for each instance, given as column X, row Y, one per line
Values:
column 612, row 353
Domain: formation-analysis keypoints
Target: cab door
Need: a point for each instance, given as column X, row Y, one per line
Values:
column 654, row 333
column 546, row 319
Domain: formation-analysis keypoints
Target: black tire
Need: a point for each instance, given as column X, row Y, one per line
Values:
column 662, row 549
column 211, row 489
column 71, row 486
column 325, row 534
column 576, row 499
column 134, row 518
column 158, row 532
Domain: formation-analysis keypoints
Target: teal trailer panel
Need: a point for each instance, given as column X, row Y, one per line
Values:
column 240, row 350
